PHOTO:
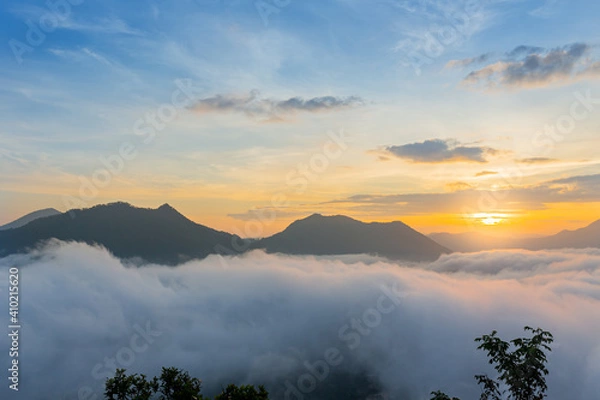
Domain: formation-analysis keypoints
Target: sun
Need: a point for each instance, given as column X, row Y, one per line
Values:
column 489, row 219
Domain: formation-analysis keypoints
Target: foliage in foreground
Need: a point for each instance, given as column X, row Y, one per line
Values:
column 173, row 384
column 520, row 363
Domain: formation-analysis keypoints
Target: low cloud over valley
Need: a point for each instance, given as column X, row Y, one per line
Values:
column 402, row 330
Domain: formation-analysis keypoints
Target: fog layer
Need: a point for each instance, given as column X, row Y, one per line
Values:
column 305, row 327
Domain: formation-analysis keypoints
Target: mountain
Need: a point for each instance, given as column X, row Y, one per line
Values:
column 473, row 242
column 330, row 235
column 577, row 239
column 165, row 236
column 159, row 235
column 24, row 220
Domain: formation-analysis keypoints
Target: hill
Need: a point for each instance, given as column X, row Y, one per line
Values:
column 588, row 236
column 24, row 220
column 159, row 235
column 331, row 235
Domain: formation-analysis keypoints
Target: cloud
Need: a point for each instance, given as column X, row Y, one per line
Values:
column 81, row 54
column 592, row 181
column 273, row 110
column 537, row 160
column 592, row 71
column 523, row 50
column 466, row 62
column 527, row 67
column 84, row 55
column 109, row 25
column 262, row 318
column 457, row 186
column 439, row 151
column 546, row 10
column 575, row 189
column 485, row 173
column 104, row 26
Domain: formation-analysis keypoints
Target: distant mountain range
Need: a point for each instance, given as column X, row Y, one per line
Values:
column 577, row 239
column 24, row 220
column 321, row 235
column 159, row 235
column 588, row 236
column 165, row 236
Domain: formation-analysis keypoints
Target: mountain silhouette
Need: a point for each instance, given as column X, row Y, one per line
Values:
column 159, row 235
column 588, row 236
column 24, row 220
column 165, row 236
column 336, row 235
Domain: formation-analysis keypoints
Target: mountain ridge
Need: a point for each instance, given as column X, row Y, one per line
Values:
column 161, row 235
column 164, row 235
column 587, row 236
column 339, row 234
column 27, row 218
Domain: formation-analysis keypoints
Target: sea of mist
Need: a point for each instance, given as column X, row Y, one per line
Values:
column 357, row 327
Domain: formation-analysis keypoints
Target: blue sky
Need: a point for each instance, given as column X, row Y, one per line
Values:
column 74, row 94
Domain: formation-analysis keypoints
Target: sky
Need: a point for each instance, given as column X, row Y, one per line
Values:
column 246, row 115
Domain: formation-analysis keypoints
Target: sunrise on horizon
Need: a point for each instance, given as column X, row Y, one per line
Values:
column 299, row 199
column 439, row 120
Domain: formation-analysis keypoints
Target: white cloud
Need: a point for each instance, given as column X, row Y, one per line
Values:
column 258, row 318
column 105, row 26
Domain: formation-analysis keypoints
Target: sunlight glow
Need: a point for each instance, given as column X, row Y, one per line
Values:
column 489, row 219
